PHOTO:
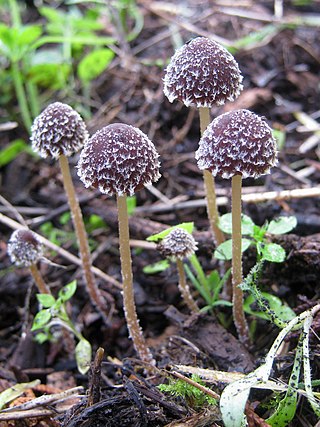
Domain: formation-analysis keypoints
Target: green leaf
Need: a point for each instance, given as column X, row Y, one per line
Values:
column 15, row 391
column 83, row 354
column 225, row 224
column 188, row 226
column 273, row 253
column 224, row 251
column 11, row 151
column 93, row 64
column 157, row 267
column 28, row 35
column 282, row 311
column 131, row 204
column 67, row 291
column 41, row 319
column 49, row 75
column 282, row 225
column 46, row 300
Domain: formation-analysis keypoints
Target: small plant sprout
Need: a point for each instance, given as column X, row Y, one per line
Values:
column 237, row 145
column 25, row 249
column 202, row 73
column 177, row 245
column 58, row 132
column 120, row 159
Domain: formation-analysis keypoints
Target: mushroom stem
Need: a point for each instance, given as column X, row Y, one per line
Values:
column 237, row 296
column 209, row 183
column 134, row 328
column 42, row 287
column 94, row 292
column 184, row 288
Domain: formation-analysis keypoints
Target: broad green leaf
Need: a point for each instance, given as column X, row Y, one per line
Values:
column 15, row 391
column 83, row 354
column 273, row 253
column 93, row 64
column 51, row 76
column 224, row 251
column 157, row 267
column 225, row 224
column 282, row 225
column 67, row 291
column 28, row 35
column 188, row 226
column 282, row 311
column 41, row 319
column 46, row 300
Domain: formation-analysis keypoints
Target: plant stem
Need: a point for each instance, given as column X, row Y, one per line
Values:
column 209, row 184
column 237, row 295
column 184, row 288
column 15, row 13
column 134, row 328
column 94, row 292
column 33, row 98
column 200, row 276
column 21, row 95
column 42, row 287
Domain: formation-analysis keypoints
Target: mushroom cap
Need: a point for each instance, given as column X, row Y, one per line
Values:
column 202, row 73
column 178, row 244
column 238, row 142
column 58, row 130
column 118, row 159
column 24, row 247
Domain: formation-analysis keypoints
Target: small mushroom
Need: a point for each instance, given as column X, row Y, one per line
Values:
column 25, row 249
column 203, row 73
column 58, row 132
column 177, row 245
column 237, row 145
column 120, row 159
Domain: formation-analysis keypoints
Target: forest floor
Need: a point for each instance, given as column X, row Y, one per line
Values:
column 281, row 82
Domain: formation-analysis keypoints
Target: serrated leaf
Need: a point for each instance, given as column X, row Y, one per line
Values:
column 93, row 64
column 188, row 226
column 83, row 353
column 282, row 225
column 67, row 291
column 273, row 253
column 41, row 319
column 15, row 391
column 46, row 300
column 157, row 267
column 224, row 251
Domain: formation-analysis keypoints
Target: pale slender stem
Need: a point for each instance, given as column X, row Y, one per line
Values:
column 237, row 294
column 84, row 252
column 134, row 328
column 184, row 288
column 41, row 285
column 209, row 184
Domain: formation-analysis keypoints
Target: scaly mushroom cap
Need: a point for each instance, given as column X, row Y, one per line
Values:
column 118, row 159
column 238, row 142
column 58, row 130
column 202, row 73
column 24, row 248
column 178, row 244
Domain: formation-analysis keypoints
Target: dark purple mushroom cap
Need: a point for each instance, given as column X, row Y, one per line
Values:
column 119, row 159
column 178, row 244
column 202, row 73
column 24, row 248
column 238, row 142
column 58, row 130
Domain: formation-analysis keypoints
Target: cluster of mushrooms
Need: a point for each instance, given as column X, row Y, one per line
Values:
column 120, row 159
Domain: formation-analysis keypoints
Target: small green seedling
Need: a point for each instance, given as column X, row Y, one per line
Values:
column 208, row 286
column 195, row 398
column 256, row 236
column 54, row 313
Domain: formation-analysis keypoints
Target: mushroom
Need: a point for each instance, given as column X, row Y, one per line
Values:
column 25, row 249
column 59, row 132
column 203, row 73
column 237, row 145
column 177, row 245
column 120, row 159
